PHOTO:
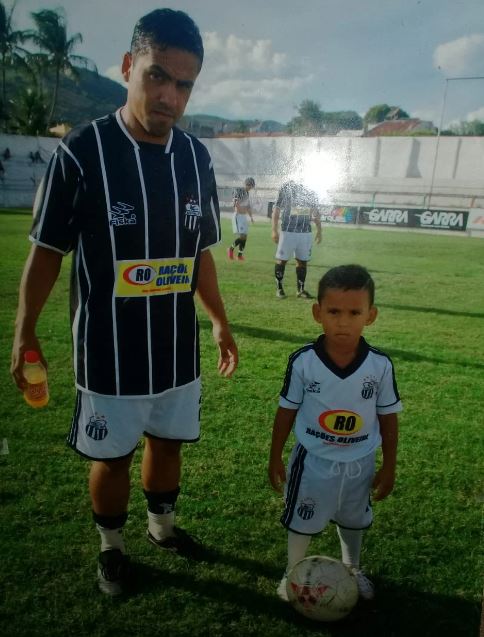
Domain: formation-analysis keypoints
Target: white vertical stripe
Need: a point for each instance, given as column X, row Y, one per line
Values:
column 75, row 322
column 196, row 170
column 47, row 194
column 113, row 252
column 122, row 126
column 147, row 256
column 177, row 254
column 71, row 155
column 195, row 328
column 81, row 250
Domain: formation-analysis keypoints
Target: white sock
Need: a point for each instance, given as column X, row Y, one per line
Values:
column 111, row 539
column 297, row 545
column 350, row 541
column 160, row 525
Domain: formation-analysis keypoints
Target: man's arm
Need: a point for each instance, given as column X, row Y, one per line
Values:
column 39, row 276
column 385, row 477
column 317, row 222
column 275, row 223
column 209, row 295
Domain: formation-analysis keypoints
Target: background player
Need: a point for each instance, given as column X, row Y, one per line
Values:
column 135, row 199
column 340, row 394
column 240, row 223
column 297, row 206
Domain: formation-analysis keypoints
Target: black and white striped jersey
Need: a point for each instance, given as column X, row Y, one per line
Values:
column 298, row 206
column 337, row 409
column 137, row 216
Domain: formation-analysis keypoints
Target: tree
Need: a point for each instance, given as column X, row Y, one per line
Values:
column 30, row 116
column 379, row 113
column 309, row 120
column 51, row 37
column 474, row 128
column 10, row 51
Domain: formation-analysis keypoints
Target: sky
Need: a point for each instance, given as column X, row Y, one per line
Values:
column 263, row 58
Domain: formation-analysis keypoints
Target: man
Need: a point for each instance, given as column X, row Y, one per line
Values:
column 135, row 199
column 240, row 223
column 297, row 207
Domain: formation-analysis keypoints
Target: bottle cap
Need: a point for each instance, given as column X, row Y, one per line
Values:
column 31, row 356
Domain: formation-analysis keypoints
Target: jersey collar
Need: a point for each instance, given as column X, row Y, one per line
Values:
column 342, row 372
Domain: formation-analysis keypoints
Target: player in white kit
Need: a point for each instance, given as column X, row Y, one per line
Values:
column 341, row 398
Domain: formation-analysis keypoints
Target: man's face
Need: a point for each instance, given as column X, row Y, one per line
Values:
column 159, row 85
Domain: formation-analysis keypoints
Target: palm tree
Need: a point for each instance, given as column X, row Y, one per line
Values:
column 10, row 51
column 51, row 37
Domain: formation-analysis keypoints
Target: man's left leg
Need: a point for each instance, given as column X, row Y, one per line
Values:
column 161, row 474
column 301, row 271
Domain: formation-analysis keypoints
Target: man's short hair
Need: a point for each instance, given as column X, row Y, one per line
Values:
column 347, row 277
column 250, row 182
column 165, row 28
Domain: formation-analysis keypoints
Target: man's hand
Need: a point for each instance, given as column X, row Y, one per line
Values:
column 275, row 235
column 228, row 353
column 20, row 346
column 317, row 237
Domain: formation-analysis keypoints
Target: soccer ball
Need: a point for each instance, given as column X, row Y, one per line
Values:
column 322, row 588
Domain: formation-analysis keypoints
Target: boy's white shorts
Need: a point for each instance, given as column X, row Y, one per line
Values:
column 110, row 427
column 294, row 244
column 240, row 223
column 319, row 491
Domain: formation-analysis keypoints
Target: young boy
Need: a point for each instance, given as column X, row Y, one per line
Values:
column 341, row 396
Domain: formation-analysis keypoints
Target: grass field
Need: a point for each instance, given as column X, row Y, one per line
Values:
column 424, row 551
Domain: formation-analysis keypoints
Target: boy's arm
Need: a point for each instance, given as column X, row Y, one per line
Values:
column 385, row 477
column 283, row 423
column 317, row 223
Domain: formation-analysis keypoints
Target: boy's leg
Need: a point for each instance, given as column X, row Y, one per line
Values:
column 351, row 540
column 297, row 546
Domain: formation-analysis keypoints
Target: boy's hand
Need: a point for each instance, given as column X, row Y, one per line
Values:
column 277, row 474
column 383, row 483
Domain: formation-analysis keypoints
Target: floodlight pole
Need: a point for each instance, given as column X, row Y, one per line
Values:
column 439, row 130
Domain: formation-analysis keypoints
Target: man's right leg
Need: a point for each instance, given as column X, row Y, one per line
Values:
column 279, row 269
column 109, row 486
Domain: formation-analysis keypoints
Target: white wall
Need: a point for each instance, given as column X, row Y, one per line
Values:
column 390, row 170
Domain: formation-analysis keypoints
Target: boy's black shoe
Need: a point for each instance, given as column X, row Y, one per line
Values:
column 181, row 543
column 304, row 294
column 113, row 571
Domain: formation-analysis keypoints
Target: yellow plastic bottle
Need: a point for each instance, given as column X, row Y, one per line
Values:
column 37, row 392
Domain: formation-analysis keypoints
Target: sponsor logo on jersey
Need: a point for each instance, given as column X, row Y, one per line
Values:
column 154, row 277
column 314, row 387
column 341, row 422
column 121, row 214
column 192, row 214
column 370, row 385
column 97, row 428
column 305, row 509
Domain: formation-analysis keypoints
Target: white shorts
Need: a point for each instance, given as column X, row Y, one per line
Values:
column 319, row 491
column 297, row 244
column 240, row 223
column 109, row 427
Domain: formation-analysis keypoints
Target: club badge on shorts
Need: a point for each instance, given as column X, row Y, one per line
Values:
column 97, row 428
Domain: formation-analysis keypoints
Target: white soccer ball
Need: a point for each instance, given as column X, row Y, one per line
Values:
column 322, row 588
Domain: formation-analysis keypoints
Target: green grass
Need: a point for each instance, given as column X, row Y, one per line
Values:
column 425, row 548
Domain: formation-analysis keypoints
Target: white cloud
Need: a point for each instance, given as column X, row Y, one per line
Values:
column 464, row 55
column 245, row 79
column 114, row 73
column 479, row 114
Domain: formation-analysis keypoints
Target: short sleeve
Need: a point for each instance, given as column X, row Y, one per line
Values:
column 54, row 224
column 388, row 400
column 292, row 392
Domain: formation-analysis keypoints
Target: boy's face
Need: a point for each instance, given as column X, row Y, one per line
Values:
column 343, row 315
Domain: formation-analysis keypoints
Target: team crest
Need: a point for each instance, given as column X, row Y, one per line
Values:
column 314, row 387
column 305, row 510
column 121, row 214
column 192, row 214
column 97, row 428
column 370, row 385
